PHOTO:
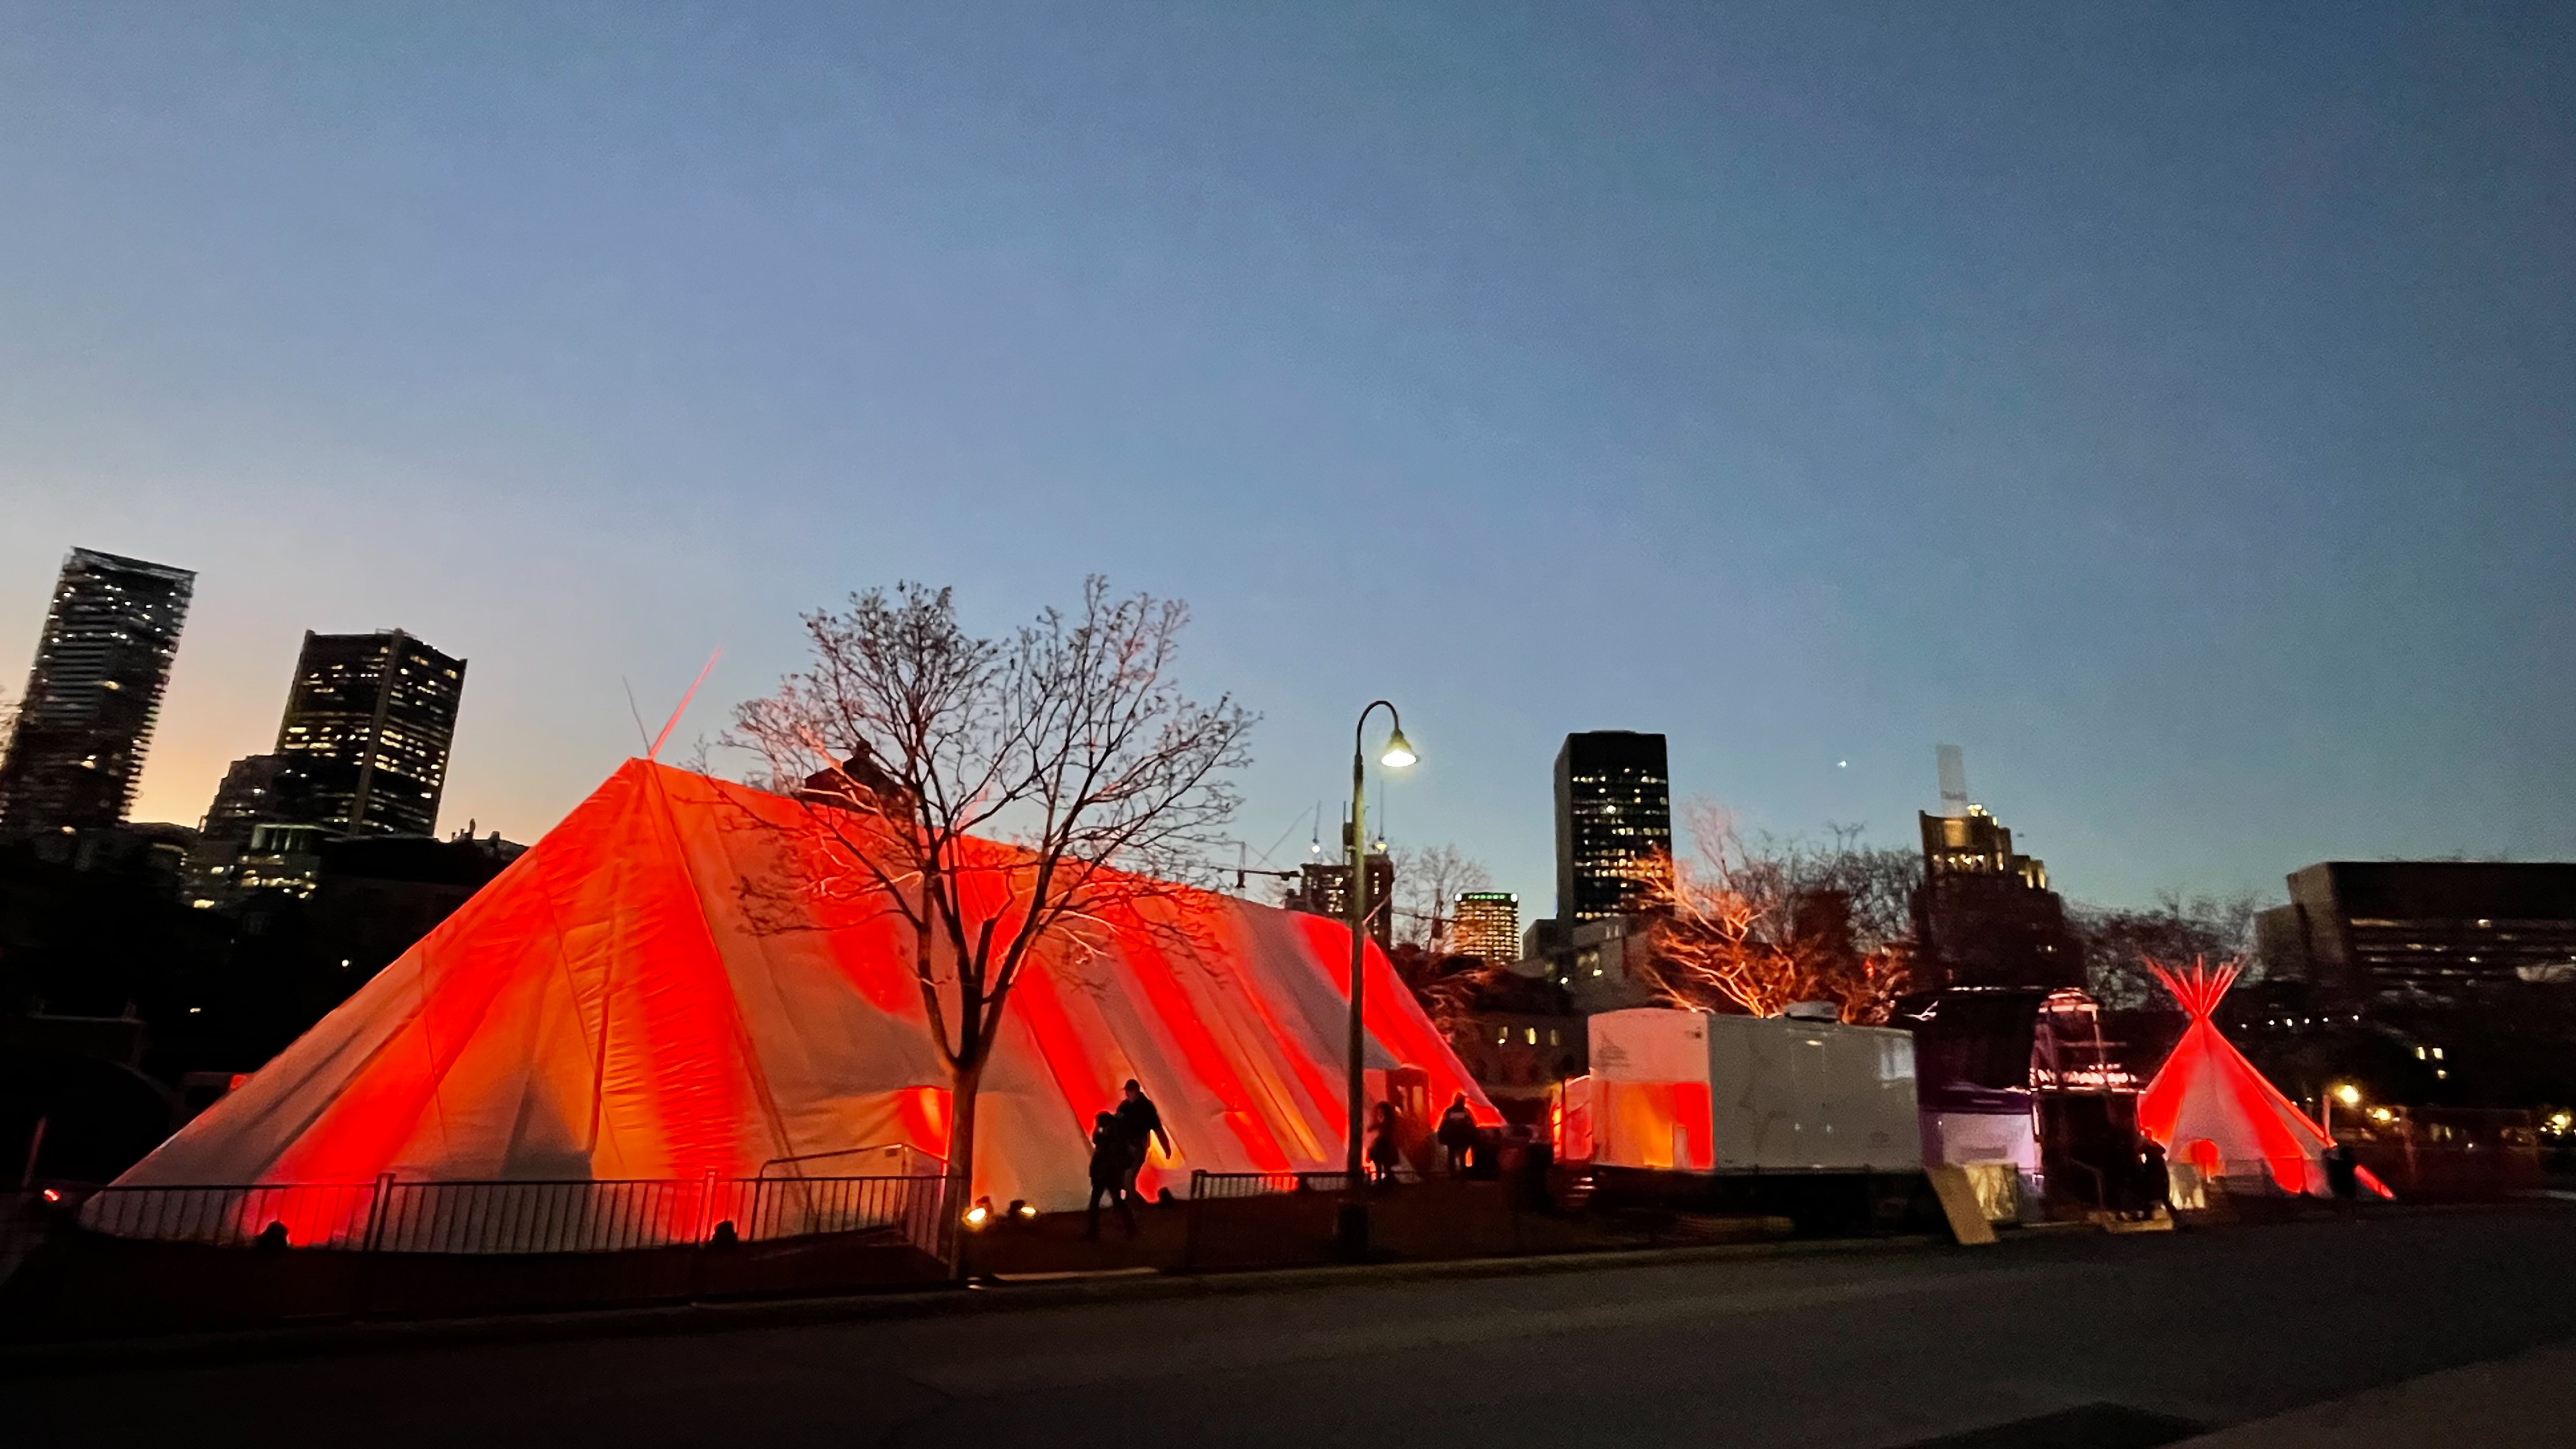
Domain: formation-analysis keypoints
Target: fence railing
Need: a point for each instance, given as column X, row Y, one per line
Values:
column 1212, row 1186
column 1216, row 1186
column 390, row 1216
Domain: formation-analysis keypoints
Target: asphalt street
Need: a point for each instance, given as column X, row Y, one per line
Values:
column 1878, row 1348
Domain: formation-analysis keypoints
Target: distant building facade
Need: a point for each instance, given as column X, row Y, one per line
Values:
column 369, row 723
column 362, row 751
column 1323, row 888
column 1984, row 914
column 257, row 791
column 1518, row 1039
column 2363, row 929
column 374, row 896
column 86, row 720
column 1614, row 813
column 1486, row 924
column 1603, row 965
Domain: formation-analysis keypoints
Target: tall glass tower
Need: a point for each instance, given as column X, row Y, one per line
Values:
column 1614, row 812
column 77, row 751
column 369, row 723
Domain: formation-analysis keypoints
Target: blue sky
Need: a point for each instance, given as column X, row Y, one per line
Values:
column 2172, row 408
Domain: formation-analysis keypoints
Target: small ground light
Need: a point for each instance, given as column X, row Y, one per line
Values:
column 55, row 1194
column 980, row 1214
column 1021, row 1209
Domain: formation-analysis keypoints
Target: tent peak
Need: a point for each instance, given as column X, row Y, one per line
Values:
column 2200, row 990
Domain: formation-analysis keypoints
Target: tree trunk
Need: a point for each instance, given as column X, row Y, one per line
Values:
column 965, row 1083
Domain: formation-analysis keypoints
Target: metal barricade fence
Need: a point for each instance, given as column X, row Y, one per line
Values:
column 312, row 1215
column 1218, row 1185
column 1246, row 1187
column 580, row 1216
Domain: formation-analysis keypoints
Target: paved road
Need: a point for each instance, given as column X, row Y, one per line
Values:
column 1860, row 1350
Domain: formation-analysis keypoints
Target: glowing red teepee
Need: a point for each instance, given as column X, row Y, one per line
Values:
column 2210, row 1108
column 640, row 997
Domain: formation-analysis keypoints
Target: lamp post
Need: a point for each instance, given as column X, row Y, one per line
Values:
column 1397, row 755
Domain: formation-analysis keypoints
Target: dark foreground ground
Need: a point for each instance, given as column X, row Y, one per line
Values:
column 2153, row 1333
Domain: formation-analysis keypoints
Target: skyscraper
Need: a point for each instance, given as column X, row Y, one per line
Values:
column 368, row 725
column 1487, row 924
column 1984, row 915
column 94, row 694
column 1324, row 889
column 1614, row 811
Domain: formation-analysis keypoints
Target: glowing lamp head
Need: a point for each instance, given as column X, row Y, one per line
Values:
column 1399, row 751
column 980, row 1214
column 2348, row 1094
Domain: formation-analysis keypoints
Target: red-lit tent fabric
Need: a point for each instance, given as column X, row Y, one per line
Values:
column 633, row 998
column 2208, row 1106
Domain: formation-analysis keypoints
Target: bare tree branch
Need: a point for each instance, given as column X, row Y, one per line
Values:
column 1758, row 927
column 1428, row 881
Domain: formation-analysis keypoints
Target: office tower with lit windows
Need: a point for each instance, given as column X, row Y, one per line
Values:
column 258, row 791
column 1324, row 889
column 1486, row 924
column 369, row 722
column 86, row 719
column 2368, row 931
column 1614, row 813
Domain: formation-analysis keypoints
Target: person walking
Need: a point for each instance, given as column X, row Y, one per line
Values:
column 1141, row 1124
column 2155, row 1181
column 2342, row 1177
column 1113, row 1165
column 1383, row 1154
column 1457, row 1133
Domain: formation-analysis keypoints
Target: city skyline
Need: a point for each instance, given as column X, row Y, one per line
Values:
column 2136, row 405
column 399, row 637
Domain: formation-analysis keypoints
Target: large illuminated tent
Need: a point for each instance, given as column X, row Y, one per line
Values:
column 2210, row 1108
column 636, row 998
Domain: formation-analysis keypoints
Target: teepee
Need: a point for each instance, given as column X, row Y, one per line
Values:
column 629, row 1001
column 2208, row 1106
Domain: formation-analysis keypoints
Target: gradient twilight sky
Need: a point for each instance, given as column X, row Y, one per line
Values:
column 2172, row 408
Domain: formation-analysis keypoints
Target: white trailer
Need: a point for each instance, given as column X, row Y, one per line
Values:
column 1691, row 1093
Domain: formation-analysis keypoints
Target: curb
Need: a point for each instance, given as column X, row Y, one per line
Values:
column 384, row 1336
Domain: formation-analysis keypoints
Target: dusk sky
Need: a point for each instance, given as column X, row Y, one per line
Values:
column 2174, row 406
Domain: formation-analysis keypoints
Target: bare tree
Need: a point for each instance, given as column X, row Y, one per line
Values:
column 2119, row 942
column 1002, row 797
column 1759, row 927
column 1428, row 881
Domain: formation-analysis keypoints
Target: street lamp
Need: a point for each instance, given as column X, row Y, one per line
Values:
column 1397, row 755
column 2344, row 1092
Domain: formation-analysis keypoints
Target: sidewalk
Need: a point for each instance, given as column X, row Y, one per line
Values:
column 2525, row 1402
